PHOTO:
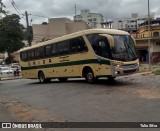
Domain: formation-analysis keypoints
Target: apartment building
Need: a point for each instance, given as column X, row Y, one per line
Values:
column 94, row 20
column 130, row 24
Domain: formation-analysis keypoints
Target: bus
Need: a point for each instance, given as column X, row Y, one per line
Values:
column 88, row 54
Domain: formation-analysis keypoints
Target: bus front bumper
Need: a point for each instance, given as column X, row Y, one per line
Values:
column 127, row 69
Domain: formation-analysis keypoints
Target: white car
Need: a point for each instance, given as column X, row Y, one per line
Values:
column 6, row 72
column 14, row 68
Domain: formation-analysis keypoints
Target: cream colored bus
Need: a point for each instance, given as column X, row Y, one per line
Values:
column 90, row 54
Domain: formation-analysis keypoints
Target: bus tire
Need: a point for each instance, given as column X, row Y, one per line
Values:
column 89, row 76
column 41, row 77
column 62, row 79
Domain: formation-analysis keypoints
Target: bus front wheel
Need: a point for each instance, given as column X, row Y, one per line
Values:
column 89, row 76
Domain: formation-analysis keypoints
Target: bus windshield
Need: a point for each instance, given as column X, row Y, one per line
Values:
column 124, row 48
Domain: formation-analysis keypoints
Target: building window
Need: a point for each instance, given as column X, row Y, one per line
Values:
column 94, row 19
column 155, row 34
column 90, row 20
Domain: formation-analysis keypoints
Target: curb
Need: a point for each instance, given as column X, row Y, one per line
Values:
column 145, row 73
column 10, row 78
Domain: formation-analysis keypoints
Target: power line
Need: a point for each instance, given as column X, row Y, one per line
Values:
column 16, row 7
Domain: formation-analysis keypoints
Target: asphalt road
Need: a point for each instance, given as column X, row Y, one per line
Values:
column 133, row 98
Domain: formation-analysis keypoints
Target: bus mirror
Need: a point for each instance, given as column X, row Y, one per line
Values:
column 133, row 40
column 110, row 39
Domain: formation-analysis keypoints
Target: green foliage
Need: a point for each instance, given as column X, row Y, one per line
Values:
column 11, row 34
column 156, row 69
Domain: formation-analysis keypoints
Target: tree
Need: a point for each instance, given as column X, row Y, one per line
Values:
column 11, row 34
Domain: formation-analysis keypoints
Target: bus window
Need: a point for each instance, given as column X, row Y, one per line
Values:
column 77, row 45
column 54, row 50
column 63, row 47
column 81, row 45
column 73, row 46
column 23, row 56
column 39, row 53
column 31, row 55
column 99, row 44
column 102, row 48
column 48, row 50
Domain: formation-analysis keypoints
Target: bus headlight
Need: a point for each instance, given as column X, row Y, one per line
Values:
column 116, row 65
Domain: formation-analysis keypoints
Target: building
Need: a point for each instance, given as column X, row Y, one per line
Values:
column 93, row 20
column 130, row 25
column 56, row 27
column 138, row 28
column 142, row 40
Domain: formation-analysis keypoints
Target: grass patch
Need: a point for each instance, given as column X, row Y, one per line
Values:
column 156, row 71
column 154, row 68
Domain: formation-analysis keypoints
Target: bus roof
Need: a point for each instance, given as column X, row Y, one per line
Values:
column 76, row 34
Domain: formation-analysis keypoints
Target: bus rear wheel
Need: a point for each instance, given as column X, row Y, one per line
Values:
column 62, row 79
column 42, row 78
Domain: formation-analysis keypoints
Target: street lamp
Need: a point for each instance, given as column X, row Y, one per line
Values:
column 149, row 41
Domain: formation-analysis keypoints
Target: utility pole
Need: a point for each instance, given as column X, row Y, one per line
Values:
column 28, row 29
column 75, row 9
column 136, row 28
column 149, row 41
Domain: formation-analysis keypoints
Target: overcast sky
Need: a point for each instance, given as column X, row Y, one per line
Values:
column 65, row 8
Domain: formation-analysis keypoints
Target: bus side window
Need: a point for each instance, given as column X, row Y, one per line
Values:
column 23, row 56
column 54, row 50
column 81, row 46
column 31, row 55
column 63, row 47
column 39, row 53
column 99, row 44
column 73, row 46
column 48, row 50
column 103, row 51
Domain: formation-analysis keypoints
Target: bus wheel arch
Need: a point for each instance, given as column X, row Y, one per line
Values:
column 88, row 74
